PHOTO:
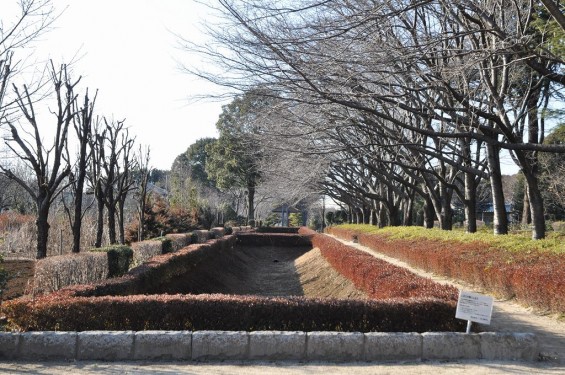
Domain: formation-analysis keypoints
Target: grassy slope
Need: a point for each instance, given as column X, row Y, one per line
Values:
column 554, row 243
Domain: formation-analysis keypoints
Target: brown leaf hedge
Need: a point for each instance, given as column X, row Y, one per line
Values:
column 377, row 278
column 534, row 278
column 406, row 303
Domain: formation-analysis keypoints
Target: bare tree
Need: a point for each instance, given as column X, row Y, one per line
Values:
column 125, row 181
column 465, row 72
column 31, row 19
column 47, row 162
column 94, row 177
column 83, row 125
column 143, row 174
column 110, row 176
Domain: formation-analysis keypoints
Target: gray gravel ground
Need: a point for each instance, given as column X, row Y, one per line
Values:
column 283, row 368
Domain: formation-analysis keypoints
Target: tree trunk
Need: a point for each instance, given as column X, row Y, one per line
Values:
column 251, row 205
column 42, row 231
column 470, row 203
column 112, row 223
column 446, row 216
column 121, row 227
column 500, row 220
column 429, row 214
column 99, row 225
column 526, row 213
column 470, row 193
column 77, row 223
column 408, row 217
column 536, row 206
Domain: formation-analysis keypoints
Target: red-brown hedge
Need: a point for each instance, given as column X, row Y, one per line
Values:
column 117, row 304
column 226, row 312
column 379, row 279
column 534, row 278
column 273, row 239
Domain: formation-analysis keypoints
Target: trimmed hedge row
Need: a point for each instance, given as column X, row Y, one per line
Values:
column 179, row 240
column 532, row 277
column 120, row 258
column 117, row 304
column 145, row 250
column 272, row 239
column 152, row 276
column 56, row 272
column 277, row 230
column 233, row 313
column 377, row 278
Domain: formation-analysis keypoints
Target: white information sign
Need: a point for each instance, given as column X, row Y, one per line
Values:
column 474, row 307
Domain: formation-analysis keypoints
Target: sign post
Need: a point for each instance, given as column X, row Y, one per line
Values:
column 474, row 307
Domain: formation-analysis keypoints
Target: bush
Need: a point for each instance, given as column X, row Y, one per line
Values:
column 179, row 240
column 119, row 259
column 200, row 236
column 153, row 276
column 118, row 304
column 377, row 278
column 270, row 239
column 166, row 244
column 226, row 312
column 145, row 250
column 277, row 230
column 532, row 276
column 56, row 272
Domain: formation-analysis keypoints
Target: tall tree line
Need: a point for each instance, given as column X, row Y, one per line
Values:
column 405, row 99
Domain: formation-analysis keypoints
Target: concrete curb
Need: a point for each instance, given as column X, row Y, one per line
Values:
column 267, row 345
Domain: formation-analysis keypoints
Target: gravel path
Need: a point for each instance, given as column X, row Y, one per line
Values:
column 508, row 316
column 283, row 368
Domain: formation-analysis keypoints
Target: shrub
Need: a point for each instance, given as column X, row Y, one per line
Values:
column 277, row 230
column 226, row 312
column 10, row 221
column 533, row 276
column 119, row 258
column 154, row 275
column 145, row 250
column 56, row 272
column 377, row 278
column 270, row 239
column 3, row 279
column 179, row 240
column 217, row 232
column 166, row 244
column 200, row 236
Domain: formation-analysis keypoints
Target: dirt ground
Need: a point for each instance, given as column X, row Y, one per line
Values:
column 267, row 271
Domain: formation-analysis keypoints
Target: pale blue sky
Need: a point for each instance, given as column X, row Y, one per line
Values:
column 127, row 50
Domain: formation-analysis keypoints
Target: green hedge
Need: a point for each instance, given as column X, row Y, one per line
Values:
column 120, row 258
column 167, row 244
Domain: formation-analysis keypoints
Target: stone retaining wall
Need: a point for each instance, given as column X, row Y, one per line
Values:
column 266, row 345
